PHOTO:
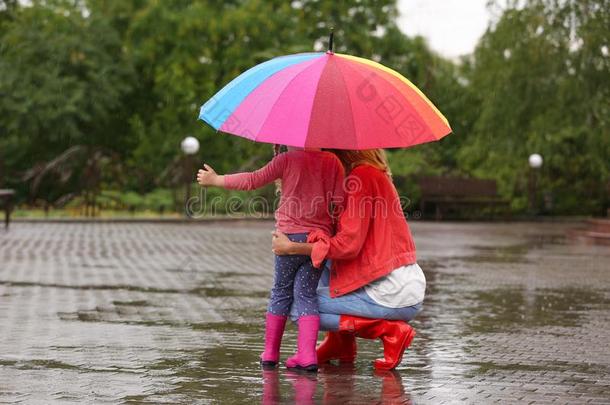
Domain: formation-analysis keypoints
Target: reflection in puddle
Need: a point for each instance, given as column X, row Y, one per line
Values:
column 499, row 254
column 332, row 385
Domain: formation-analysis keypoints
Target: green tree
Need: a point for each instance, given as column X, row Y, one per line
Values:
column 186, row 51
column 63, row 78
column 539, row 77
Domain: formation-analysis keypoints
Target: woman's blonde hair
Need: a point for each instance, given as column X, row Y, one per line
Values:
column 374, row 157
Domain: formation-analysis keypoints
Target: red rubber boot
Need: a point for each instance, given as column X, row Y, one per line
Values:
column 337, row 346
column 396, row 336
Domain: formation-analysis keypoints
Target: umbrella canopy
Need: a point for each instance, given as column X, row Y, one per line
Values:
column 325, row 100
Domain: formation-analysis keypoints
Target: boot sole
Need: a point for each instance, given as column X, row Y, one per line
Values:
column 268, row 365
column 312, row 368
column 382, row 365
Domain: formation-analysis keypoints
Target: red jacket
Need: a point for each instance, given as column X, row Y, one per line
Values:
column 372, row 237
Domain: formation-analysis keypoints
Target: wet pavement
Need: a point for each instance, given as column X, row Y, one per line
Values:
column 172, row 313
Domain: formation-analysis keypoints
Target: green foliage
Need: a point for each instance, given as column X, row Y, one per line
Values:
column 120, row 200
column 540, row 78
column 129, row 76
column 62, row 79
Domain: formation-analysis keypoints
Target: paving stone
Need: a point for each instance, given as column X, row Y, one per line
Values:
column 172, row 313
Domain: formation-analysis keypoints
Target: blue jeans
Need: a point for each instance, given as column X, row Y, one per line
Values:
column 356, row 303
column 294, row 284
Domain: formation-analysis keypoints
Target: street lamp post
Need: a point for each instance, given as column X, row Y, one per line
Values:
column 190, row 146
column 535, row 163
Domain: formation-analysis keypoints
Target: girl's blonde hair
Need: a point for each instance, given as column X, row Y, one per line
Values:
column 374, row 157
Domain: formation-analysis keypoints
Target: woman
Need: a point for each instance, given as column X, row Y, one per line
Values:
column 375, row 285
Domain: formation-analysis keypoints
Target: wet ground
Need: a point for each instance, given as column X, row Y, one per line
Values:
column 172, row 313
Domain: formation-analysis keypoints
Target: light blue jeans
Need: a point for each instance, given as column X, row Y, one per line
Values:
column 356, row 303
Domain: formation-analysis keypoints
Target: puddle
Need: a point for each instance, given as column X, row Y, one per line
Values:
column 37, row 364
column 179, row 327
column 98, row 266
column 92, row 287
column 137, row 303
column 333, row 384
column 508, row 308
column 513, row 253
column 227, row 292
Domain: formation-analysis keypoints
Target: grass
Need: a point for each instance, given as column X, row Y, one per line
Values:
column 78, row 213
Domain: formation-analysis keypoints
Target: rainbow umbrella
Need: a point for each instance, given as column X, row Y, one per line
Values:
column 325, row 100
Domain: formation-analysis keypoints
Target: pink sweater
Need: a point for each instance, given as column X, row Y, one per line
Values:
column 311, row 180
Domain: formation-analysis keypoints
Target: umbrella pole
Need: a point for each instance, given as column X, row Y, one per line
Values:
column 330, row 41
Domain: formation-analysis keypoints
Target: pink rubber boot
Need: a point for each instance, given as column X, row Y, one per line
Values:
column 274, row 330
column 305, row 357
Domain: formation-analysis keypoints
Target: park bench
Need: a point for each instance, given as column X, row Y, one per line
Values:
column 6, row 202
column 445, row 193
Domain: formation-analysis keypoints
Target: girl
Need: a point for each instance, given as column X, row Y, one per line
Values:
column 311, row 180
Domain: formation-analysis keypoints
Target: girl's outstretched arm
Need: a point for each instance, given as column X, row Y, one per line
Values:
column 258, row 178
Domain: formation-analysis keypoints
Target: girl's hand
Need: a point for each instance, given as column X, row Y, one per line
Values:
column 208, row 177
column 280, row 244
